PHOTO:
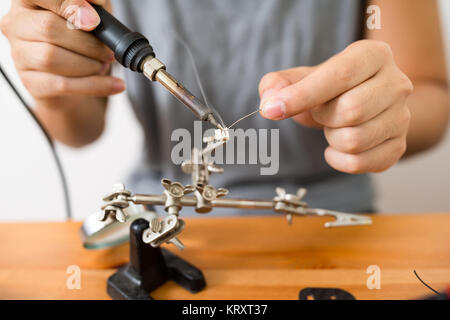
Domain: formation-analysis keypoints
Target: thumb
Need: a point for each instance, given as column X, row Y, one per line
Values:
column 78, row 12
column 273, row 82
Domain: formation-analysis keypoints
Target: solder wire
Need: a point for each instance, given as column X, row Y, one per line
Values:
column 244, row 117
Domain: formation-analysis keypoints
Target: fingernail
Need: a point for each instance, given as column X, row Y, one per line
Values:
column 111, row 57
column 274, row 109
column 118, row 86
column 87, row 18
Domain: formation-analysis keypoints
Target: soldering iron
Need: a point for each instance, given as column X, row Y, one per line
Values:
column 133, row 51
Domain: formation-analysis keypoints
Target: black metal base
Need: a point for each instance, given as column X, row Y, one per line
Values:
column 149, row 268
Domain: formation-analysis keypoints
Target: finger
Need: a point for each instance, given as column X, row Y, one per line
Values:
column 377, row 159
column 44, row 85
column 104, row 3
column 78, row 12
column 392, row 123
column 52, row 59
column 359, row 62
column 305, row 119
column 99, row 2
column 365, row 101
column 45, row 26
column 274, row 81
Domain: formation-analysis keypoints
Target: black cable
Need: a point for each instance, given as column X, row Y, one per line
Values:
column 426, row 285
column 50, row 142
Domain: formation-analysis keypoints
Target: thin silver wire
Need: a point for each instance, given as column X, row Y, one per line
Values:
column 244, row 117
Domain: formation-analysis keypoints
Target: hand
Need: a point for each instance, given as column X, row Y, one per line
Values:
column 359, row 98
column 54, row 59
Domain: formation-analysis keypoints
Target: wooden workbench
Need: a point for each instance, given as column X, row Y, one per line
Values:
column 243, row 258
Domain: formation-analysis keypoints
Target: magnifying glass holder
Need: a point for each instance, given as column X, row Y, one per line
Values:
column 150, row 268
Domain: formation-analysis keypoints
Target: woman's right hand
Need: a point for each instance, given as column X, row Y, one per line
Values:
column 64, row 68
column 55, row 58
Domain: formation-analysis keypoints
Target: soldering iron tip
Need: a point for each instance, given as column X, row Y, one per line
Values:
column 214, row 122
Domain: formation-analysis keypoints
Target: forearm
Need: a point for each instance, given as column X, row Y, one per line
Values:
column 74, row 121
column 412, row 28
column 430, row 109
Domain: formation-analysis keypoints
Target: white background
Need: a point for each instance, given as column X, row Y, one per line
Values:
column 30, row 187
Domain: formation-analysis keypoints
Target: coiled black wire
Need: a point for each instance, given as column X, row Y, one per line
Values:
column 50, row 142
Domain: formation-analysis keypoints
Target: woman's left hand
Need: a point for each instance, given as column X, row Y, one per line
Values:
column 359, row 98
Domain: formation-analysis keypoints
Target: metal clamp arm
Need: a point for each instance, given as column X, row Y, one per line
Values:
column 284, row 203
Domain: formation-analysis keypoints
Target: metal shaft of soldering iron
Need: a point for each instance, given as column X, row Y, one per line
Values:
column 134, row 51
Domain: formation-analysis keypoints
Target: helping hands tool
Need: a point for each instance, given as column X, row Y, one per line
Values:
column 205, row 197
column 134, row 52
column 150, row 265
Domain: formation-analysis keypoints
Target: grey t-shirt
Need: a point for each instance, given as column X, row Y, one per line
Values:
column 234, row 43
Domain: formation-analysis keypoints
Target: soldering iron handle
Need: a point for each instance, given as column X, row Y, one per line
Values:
column 131, row 49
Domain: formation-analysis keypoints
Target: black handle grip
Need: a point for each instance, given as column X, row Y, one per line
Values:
column 130, row 48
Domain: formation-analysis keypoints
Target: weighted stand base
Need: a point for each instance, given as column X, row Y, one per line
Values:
column 149, row 268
